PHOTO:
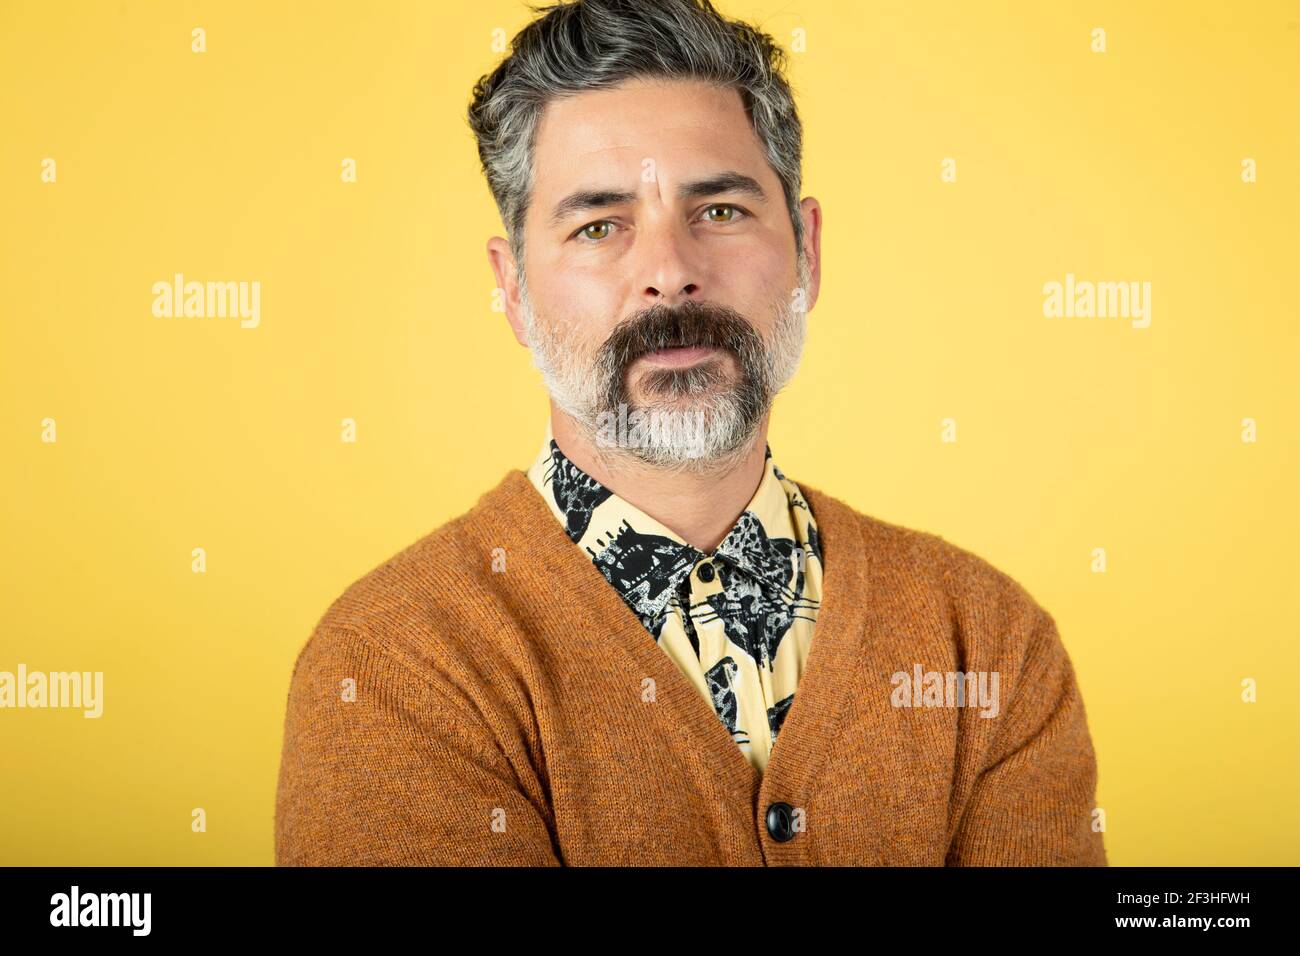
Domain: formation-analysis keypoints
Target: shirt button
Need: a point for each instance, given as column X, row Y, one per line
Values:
column 780, row 822
column 705, row 572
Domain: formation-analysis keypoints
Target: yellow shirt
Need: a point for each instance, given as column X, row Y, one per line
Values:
column 738, row 622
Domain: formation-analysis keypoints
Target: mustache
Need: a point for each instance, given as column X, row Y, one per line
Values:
column 691, row 323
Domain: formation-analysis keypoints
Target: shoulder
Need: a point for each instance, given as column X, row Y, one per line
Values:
column 431, row 605
column 921, row 573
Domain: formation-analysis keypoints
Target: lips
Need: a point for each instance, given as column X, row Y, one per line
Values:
column 680, row 355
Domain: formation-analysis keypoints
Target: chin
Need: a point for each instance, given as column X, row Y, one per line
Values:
column 700, row 385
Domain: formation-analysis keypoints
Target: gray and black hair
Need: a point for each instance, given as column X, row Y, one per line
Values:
column 594, row 44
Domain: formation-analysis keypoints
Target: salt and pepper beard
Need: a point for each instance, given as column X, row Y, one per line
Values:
column 705, row 424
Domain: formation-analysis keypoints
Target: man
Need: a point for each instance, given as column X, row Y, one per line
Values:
column 651, row 647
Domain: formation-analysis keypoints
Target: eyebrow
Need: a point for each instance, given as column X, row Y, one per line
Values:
column 728, row 182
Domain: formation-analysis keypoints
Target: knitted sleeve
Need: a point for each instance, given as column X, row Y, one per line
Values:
column 380, row 769
column 1033, row 803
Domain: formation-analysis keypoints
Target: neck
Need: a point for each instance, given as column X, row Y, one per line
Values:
column 700, row 506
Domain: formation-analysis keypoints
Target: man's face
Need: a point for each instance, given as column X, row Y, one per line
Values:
column 660, row 268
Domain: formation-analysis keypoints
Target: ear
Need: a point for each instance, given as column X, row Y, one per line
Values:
column 507, row 276
column 811, row 210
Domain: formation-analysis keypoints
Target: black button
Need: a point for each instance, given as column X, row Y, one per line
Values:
column 780, row 822
column 706, row 572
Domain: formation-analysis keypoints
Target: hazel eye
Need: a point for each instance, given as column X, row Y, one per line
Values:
column 602, row 224
column 730, row 209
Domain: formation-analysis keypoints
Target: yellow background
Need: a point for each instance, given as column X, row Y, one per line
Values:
column 377, row 305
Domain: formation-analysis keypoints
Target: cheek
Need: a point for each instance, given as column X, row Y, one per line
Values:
column 770, row 290
column 585, row 310
column 754, row 278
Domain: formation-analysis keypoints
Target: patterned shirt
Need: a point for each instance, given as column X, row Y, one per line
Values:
column 738, row 622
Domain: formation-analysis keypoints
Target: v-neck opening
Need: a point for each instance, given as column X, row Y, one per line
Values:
column 641, row 651
column 798, row 752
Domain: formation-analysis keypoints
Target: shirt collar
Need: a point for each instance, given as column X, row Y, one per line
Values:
column 645, row 560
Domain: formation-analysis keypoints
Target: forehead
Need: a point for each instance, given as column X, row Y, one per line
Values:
column 604, row 136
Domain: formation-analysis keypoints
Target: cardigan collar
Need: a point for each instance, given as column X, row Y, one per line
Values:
column 513, row 517
column 646, row 562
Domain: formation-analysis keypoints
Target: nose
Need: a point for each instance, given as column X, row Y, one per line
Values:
column 671, row 271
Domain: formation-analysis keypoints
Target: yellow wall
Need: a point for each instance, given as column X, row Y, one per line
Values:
column 376, row 305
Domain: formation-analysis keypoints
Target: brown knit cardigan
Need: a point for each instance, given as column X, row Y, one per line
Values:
column 485, row 697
